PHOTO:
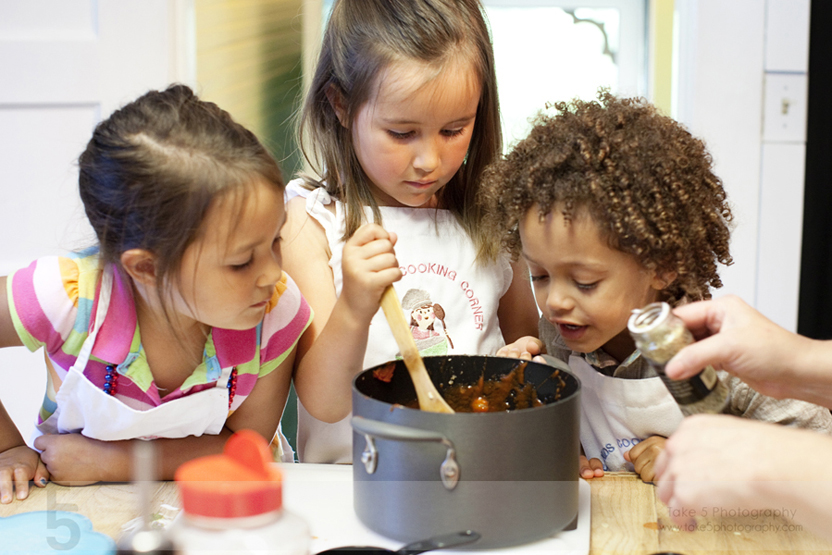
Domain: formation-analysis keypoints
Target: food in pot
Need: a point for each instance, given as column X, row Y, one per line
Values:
column 498, row 394
column 385, row 373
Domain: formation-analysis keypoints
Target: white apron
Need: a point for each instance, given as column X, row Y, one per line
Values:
column 84, row 408
column 617, row 413
column 438, row 261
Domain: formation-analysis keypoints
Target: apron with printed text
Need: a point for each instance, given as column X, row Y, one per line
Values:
column 617, row 413
column 84, row 408
column 450, row 300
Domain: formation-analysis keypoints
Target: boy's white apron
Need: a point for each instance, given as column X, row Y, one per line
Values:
column 617, row 413
column 85, row 408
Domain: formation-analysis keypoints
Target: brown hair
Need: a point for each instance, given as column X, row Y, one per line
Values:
column 645, row 180
column 151, row 170
column 362, row 39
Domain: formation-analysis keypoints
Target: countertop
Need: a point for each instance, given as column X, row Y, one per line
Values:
column 625, row 516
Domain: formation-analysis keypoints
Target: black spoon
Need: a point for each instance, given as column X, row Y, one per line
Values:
column 439, row 542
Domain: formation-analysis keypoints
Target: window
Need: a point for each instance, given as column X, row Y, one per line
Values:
column 552, row 50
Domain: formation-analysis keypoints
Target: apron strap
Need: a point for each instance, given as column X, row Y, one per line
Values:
column 104, row 294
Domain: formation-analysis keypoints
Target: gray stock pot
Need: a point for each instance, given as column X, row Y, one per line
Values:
column 512, row 476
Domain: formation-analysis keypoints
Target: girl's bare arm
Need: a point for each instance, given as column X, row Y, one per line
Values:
column 331, row 351
column 18, row 463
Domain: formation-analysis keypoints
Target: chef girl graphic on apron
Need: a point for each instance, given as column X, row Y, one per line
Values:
column 84, row 408
column 423, row 317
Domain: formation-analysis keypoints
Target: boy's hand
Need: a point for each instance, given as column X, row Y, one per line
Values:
column 644, row 455
column 18, row 465
column 525, row 348
column 590, row 468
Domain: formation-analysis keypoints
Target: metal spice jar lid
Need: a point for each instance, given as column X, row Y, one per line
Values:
column 657, row 332
column 647, row 320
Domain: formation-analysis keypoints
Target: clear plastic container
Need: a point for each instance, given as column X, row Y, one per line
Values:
column 233, row 503
column 659, row 335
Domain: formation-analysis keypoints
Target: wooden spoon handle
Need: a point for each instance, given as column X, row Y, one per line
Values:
column 429, row 398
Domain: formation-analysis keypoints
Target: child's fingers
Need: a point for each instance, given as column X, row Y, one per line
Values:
column 650, row 443
column 644, row 455
column 21, row 482
column 41, row 475
column 513, row 352
column 41, row 443
column 509, row 351
column 534, row 346
column 381, row 262
column 583, row 468
column 597, row 467
column 371, row 232
column 590, row 468
column 632, row 454
column 6, row 487
column 524, row 348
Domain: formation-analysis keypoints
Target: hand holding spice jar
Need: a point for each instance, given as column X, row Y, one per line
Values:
column 659, row 335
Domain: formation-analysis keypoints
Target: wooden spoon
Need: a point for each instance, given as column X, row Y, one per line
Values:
column 429, row 398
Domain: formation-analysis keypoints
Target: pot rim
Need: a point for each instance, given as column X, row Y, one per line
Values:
column 497, row 414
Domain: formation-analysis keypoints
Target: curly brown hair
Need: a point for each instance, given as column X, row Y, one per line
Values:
column 645, row 180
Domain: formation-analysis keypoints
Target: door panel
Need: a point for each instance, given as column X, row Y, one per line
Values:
column 65, row 64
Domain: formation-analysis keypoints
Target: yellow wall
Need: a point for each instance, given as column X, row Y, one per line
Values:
column 248, row 61
column 661, row 53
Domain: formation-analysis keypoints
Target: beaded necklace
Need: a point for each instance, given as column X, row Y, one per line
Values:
column 111, row 382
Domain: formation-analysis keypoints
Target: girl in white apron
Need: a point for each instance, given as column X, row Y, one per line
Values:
column 181, row 324
column 404, row 126
column 615, row 206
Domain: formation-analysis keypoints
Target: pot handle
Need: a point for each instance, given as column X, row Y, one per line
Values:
column 371, row 429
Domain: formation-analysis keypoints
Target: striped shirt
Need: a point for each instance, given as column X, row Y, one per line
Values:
column 53, row 300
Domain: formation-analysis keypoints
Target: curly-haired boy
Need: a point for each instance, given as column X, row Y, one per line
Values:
column 614, row 206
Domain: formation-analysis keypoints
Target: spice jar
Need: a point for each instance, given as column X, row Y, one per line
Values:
column 659, row 335
column 233, row 503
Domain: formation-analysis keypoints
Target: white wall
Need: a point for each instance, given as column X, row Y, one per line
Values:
column 738, row 61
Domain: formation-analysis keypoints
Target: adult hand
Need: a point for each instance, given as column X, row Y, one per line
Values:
column 718, row 461
column 18, row 465
column 734, row 337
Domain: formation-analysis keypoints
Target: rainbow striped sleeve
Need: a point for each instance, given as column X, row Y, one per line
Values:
column 283, row 325
column 46, row 303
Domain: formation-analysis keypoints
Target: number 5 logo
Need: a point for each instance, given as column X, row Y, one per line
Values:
column 56, row 520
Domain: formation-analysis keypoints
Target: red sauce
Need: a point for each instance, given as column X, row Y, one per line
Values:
column 385, row 373
column 499, row 394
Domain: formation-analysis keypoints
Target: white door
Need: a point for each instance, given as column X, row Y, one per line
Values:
column 64, row 65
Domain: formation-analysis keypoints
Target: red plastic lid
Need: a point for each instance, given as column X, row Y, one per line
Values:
column 241, row 482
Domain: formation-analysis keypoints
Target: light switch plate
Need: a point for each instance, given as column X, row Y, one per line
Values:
column 784, row 106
